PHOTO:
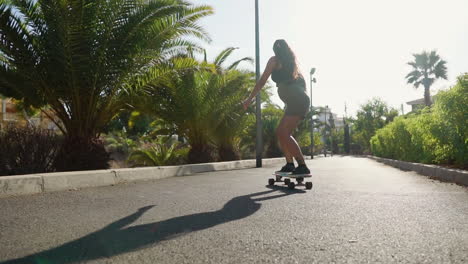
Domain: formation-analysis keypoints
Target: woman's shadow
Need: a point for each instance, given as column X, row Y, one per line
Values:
column 115, row 239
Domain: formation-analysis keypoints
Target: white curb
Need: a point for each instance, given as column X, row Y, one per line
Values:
column 19, row 185
column 432, row 171
column 61, row 181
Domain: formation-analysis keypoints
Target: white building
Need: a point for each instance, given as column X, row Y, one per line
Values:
column 419, row 103
column 325, row 116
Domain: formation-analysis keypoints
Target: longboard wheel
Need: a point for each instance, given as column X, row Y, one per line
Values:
column 287, row 181
column 309, row 185
column 291, row 185
column 271, row 182
column 300, row 180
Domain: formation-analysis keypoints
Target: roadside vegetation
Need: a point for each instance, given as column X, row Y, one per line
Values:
column 436, row 135
column 371, row 116
column 127, row 83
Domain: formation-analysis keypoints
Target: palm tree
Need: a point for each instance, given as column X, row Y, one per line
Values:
column 232, row 119
column 182, row 100
column 427, row 68
column 83, row 58
column 271, row 118
column 203, row 103
column 230, row 87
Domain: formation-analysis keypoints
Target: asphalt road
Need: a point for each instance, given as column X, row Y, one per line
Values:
column 359, row 211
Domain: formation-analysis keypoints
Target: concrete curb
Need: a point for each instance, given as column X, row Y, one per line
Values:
column 20, row 185
column 436, row 172
column 61, row 181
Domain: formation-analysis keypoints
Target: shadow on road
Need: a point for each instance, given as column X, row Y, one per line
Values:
column 116, row 238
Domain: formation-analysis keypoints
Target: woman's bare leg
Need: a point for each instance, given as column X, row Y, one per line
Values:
column 287, row 142
column 287, row 155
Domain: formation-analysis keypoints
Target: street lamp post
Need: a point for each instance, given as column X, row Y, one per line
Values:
column 326, row 130
column 312, row 80
column 258, row 103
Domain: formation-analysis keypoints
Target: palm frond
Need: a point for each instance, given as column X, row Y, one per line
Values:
column 433, row 58
column 222, row 56
column 413, row 64
column 415, row 74
column 236, row 63
column 440, row 70
column 422, row 60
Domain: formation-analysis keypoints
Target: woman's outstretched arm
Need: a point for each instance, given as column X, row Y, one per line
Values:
column 271, row 66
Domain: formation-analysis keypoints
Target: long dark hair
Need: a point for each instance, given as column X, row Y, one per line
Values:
column 286, row 58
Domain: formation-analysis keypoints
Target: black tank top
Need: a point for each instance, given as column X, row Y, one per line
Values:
column 280, row 76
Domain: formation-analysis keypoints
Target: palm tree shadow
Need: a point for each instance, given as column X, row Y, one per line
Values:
column 115, row 239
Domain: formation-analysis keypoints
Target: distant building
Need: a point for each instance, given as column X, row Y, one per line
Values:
column 9, row 114
column 322, row 116
column 418, row 104
column 339, row 122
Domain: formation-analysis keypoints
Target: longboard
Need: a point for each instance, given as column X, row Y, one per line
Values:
column 291, row 185
column 290, row 175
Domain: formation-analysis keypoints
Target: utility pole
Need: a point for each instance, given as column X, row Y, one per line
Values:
column 3, row 113
column 332, row 128
column 346, row 110
column 312, row 80
column 326, row 130
column 346, row 132
column 258, row 103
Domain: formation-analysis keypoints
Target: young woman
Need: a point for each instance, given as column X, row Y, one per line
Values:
column 291, row 89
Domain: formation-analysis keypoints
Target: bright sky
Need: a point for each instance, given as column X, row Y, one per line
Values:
column 360, row 48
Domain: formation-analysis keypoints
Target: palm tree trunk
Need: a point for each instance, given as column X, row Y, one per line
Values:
column 82, row 152
column 200, row 153
column 427, row 95
column 228, row 153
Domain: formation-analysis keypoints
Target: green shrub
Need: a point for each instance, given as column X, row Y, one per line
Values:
column 26, row 150
column 119, row 143
column 371, row 116
column 437, row 135
column 452, row 109
column 162, row 152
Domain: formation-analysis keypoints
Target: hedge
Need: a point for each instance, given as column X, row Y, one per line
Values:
column 437, row 135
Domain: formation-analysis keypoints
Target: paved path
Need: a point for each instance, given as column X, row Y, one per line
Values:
column 358, row 211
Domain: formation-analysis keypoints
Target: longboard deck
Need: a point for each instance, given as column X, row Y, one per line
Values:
column 289, row 175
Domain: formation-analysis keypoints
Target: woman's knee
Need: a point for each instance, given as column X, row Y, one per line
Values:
column 282, row 133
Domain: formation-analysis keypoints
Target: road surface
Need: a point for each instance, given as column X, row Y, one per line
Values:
column 359, row 211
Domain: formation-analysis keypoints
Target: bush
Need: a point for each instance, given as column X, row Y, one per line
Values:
column 161, row 152
column 394, row 141
column 119, row 143
column 26, row 150
column 79, row 154
column 371, row 116
column 451, row 109
column 438, row 135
